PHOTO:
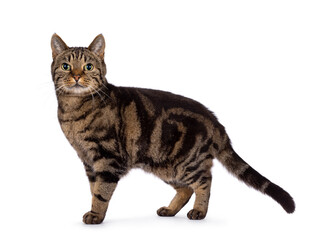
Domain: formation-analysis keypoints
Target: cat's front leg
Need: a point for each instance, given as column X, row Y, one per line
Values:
column 91, row 176
column 103, row 189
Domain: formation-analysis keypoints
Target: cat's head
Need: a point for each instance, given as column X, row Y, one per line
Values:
column 78, row 71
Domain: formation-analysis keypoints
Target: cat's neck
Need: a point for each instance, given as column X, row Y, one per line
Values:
column 71, row 103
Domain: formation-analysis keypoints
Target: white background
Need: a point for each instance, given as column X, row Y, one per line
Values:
column 254, row 63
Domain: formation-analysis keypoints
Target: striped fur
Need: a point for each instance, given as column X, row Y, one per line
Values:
column 114, row 129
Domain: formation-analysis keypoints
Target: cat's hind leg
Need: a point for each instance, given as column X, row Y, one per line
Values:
column 180, row 199
column 202, row 191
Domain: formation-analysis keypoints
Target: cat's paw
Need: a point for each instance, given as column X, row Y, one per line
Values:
column 165, row 212
column 195, row 214
column 92, row 218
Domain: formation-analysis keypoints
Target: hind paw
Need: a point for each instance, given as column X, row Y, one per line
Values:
column 195, row 214
column 165, row 212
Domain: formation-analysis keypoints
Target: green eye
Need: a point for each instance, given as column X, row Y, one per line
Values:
column 88, row 67
column 65, row 67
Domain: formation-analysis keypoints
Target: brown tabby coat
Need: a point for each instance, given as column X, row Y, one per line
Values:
column 114, row 129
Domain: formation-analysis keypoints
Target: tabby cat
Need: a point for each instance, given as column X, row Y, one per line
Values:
column 114, row 129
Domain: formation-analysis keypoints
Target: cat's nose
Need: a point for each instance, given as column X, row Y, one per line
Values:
column 76, row 77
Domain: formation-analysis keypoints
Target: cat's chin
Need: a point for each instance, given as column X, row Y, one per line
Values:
column 77, row 90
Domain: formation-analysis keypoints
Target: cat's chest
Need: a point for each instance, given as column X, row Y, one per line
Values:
column 76, row 137
column 72, row 131
column 87, row 130
column 79, row 124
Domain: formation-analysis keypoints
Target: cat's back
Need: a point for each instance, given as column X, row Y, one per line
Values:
column 154, row 102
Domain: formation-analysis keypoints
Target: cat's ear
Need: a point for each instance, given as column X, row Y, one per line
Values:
column 97, row 46
column 57, row 45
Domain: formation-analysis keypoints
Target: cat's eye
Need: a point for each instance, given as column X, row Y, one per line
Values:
column 88, row 67
column 66, row 66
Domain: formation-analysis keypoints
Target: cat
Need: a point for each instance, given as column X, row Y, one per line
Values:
column 114, row 129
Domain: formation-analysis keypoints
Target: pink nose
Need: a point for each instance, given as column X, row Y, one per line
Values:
column 76, row 77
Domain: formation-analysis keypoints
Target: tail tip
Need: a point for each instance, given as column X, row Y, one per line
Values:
column 282, row 197
column 289, row 206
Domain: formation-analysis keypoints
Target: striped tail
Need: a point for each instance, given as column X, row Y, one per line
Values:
column 244, row 172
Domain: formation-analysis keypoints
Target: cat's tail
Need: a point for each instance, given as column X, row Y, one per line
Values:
column 244, row 172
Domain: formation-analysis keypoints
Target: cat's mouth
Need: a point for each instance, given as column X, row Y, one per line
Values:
column 76, row 86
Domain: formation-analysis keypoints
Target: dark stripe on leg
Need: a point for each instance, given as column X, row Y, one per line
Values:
column 192, row 179
column 92, row 178
column 100, row 197
column 108, row 177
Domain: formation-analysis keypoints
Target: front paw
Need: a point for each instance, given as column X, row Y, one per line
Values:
column 92, row 218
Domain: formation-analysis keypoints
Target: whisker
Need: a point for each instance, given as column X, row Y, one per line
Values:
column 92, row 96
column 98, row 94
column 59, row 90
column 106, row 94
column 103, row 99
column 45, row 84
